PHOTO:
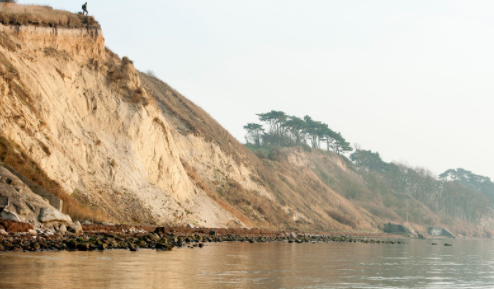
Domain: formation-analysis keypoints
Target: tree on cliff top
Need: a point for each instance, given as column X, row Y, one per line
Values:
column 254, row 133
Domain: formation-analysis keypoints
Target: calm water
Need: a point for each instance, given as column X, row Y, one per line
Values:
column 468, row 264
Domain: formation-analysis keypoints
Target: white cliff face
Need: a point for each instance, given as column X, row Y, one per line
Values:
column 91, row 136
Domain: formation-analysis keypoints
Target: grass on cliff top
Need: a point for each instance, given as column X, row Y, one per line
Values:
column 13, row 156
column 19, row 14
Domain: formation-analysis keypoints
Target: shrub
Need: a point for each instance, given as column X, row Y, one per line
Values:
column 341, row 219
column 306, row 147
column 138, row 95
column 275, row 155
column 6, row 42
column 260, row 154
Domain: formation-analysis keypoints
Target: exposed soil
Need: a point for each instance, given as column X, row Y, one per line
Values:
column 14, row 227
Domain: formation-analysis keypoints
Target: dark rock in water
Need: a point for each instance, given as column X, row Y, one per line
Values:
column 72, row 244
column 290, row 241
column 201, row 245
column 164, row 247
column 212, row 233
column 433, row 244
column 133, row 248
column 448, row 245
column 160, row 230
column 153, row 237
column 35, row 246
column 83, row 247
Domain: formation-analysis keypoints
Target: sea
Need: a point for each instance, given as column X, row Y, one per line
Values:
column 416, row 264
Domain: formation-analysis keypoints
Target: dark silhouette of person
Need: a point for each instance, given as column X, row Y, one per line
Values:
column 84, row 9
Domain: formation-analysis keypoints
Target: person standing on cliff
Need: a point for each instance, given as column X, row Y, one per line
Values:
column 84, row 9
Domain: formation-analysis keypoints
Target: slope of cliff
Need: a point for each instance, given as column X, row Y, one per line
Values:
column 128, row 144
column 81, row 113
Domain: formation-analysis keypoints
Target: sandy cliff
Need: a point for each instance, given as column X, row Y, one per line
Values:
column 127, row 143
column 81, row 113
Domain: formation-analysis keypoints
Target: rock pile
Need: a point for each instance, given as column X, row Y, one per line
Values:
column 102, row 241
column 19, row 204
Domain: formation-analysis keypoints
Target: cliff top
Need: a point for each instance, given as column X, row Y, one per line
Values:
column 19, row 14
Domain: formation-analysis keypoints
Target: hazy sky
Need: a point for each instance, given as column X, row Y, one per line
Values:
column 413, row 80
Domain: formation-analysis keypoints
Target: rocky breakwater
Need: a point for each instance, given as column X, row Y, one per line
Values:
column 19, row 205
column 161, row 239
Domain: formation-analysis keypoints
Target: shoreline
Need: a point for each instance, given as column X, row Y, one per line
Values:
column 132, row 238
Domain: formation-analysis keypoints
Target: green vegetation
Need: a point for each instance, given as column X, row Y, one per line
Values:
column 471, row 180
column 451, row 198
column 285, row 130
column 390, row 191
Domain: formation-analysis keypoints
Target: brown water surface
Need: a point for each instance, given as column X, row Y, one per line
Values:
column 468, row 264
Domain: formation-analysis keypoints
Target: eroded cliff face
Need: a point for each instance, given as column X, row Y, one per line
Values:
column 81, row 113
column 129, row 144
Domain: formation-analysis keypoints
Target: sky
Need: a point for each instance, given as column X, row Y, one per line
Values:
column 412, row 80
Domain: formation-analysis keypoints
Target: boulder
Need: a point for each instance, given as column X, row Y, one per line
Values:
column 76, row 228
column 440, row 232
column 398, row 229
column 212, row 233
column 160, row 230
column 3, row 232
column 63, row 229
column 72, row 244
column 52, row 215
column 189, row 225
column 9, row 215
column 83, row 247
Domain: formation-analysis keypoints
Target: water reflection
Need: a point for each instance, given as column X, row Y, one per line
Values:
column 468, row 264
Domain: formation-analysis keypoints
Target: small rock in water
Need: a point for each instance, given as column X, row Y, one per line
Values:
column 83, row 247
column 433, row 244
column 448, row 245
